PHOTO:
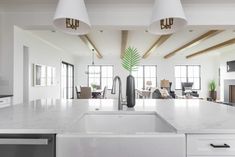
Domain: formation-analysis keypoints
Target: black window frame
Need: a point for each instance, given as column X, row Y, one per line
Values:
column 67, row 65
column 100, row 66
column 187, row 78
column 144, row 78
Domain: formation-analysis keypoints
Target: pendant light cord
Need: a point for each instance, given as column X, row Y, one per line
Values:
column 93, row 62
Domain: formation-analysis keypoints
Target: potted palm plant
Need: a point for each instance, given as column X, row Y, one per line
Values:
column 212, row 90
column 130, row 61
column 93, row 86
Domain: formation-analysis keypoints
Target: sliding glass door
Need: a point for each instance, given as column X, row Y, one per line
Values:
column 67, row 81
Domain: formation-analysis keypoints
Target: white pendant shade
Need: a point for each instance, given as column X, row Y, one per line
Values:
column 74, row 10
column 171, row 10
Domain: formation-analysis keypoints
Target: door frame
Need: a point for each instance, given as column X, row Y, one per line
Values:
column 67, row 65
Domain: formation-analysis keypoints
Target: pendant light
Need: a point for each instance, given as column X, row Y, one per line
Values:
column 167, row 17
column 71, row 17
column 92, row 63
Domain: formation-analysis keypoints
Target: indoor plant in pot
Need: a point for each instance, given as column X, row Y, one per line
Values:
column 130, row 61
column 93, row 86
column 212, row 90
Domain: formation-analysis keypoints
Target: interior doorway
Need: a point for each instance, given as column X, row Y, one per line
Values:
column 25, row 74
column 67, row 80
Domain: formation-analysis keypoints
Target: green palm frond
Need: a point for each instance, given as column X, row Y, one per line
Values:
column 212, row 86
column 131, row 59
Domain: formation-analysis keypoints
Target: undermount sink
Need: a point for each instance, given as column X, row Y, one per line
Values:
column 121, row 134
column 123, row 122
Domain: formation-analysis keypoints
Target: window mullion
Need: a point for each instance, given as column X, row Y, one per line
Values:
column 187, row 73
column 143, row 76
column 66, row 73
column 88, row 75
column 156, row 75
column 100, row 76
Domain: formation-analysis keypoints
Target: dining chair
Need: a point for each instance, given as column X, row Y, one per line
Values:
column 98, row 87
column 85, row 93
column 104, row 94
column 77, row 92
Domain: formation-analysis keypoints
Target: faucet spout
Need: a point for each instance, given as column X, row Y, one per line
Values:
column 117, row 78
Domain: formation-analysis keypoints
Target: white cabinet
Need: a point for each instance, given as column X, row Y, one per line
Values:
column 210, row 145
column 159, row 145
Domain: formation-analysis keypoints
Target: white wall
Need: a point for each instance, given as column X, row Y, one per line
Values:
column 1, row 54
column 165, row 69
column 224, row 58
column 6, row 84
column 39, row 53
column 9, row 20
column 9, row 70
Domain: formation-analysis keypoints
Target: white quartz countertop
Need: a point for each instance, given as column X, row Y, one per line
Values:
column 58, row 116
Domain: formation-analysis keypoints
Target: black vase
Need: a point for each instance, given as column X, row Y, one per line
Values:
column 130, row 91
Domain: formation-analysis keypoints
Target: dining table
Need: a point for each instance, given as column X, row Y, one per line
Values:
column 141, row 93
column 95, row 93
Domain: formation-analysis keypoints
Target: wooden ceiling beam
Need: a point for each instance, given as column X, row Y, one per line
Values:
column 91, row 45
column 156, row 44
column 194, row 42
column 124, row 42
column 210, row 49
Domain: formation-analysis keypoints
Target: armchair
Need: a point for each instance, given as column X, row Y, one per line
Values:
column 187, row 88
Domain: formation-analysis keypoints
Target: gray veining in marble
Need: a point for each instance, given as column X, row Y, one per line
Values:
column 58, row 116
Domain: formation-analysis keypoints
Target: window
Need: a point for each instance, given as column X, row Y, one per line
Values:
column 50, row 76
column 67, row 81
column 188, row 73
column 144, row 74
column 40, row 75
column 94, row 75
column 101, row 75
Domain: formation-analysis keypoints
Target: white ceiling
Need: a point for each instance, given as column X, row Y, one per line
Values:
column 111, row 1
column 108, row 42
column 28, row 1
column 68, row 43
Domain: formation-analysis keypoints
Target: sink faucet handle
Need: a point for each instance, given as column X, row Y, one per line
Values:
column 117, row 78
column 113, row 91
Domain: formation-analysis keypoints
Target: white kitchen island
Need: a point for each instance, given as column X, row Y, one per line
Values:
column 208, row 128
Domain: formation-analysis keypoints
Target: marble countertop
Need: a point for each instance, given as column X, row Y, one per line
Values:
column 58, row 116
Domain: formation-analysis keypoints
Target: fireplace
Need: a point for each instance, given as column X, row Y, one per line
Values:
column 229, row 91
column 232, row 93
